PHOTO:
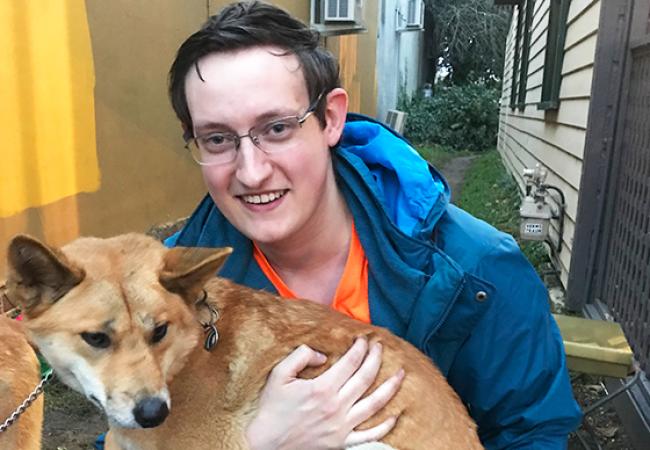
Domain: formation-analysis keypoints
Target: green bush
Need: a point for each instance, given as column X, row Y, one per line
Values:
column 464, row 117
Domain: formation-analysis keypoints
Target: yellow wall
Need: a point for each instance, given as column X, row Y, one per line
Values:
column 130, row 170
column 144, row 175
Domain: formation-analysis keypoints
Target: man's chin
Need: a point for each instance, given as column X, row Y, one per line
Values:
column 267, row 233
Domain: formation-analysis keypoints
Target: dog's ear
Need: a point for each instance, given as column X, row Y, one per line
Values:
column 38, row 275
column 186, row 269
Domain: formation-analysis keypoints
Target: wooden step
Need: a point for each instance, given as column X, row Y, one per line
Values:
column 595, row 346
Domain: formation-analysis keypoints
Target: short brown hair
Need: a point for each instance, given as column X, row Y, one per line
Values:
column 250, row 24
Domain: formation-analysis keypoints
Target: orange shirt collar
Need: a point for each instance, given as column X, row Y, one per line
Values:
column 351, row 296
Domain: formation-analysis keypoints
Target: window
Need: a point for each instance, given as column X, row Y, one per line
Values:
column 557, row 26
column 339, row 11
column 334, row 17
column 525, row 12
column 409, row 16
column 514, row 83
column 415, row 13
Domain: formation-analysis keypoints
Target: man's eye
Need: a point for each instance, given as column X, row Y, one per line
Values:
column 215, row 142
column 280, row 129
column 97, row 340
column 214, row 139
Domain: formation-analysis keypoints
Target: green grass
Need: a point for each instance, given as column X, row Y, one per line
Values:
column 439, row 155
column 490, row 193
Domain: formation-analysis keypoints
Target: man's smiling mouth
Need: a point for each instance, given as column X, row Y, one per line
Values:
column 262, row 199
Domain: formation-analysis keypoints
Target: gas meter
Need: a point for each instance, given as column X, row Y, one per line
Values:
column 535, row 219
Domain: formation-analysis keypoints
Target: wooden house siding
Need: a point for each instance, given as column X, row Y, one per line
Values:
column 552, row 138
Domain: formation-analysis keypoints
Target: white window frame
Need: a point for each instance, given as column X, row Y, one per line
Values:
column 418, row 13
column 328, row 26
column 349, row 15
column 408, row 22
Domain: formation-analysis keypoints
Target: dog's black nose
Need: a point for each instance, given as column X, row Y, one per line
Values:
column 150, row 412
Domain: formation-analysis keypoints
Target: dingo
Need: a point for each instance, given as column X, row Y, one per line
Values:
column 19, row 375
column 119, row 321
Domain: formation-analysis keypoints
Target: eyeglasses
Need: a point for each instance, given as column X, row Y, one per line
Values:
column 274, row 136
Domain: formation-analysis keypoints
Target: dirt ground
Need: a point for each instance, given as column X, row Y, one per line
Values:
column 454, row 172
column 602, row 426
column 71, row 422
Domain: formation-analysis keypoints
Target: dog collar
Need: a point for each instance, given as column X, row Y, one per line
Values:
column 210, row 329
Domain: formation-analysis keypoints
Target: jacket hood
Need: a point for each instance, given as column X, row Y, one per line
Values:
column 411, row 191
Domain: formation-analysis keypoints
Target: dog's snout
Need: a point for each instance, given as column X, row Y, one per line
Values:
column 150, row 412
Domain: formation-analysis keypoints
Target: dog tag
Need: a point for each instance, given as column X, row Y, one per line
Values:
column 211, row 338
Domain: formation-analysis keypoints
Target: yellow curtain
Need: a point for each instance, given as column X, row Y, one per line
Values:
column 47, row 116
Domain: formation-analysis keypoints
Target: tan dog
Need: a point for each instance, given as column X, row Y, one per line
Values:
column 19, row 375
column 119, row 321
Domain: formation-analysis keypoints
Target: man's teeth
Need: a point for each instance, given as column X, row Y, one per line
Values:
column 262, row 199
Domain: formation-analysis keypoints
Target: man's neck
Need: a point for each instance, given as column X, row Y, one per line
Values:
column 312, row 263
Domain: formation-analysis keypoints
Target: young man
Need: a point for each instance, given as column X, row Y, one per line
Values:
column 346, row 214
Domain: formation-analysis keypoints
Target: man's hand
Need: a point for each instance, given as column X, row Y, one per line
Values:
column 322, row 413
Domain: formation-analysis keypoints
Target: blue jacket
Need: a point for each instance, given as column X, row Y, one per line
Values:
column 452, row 285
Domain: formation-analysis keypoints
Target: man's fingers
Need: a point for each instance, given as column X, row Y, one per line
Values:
column 371, row 434
column 376, row 400
column 296, row 362
column 363, row 378
column 342, row 370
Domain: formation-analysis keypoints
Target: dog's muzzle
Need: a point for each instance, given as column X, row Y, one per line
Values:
column 150, row 412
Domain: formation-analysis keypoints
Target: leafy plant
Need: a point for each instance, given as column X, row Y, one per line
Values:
column 461, row 117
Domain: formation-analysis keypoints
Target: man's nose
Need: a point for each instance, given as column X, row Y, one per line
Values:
column 253, row 165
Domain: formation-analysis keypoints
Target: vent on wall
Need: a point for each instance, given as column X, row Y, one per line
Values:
column 415, row 13
column 337, row 17
column 396, row 120
column 340, row 10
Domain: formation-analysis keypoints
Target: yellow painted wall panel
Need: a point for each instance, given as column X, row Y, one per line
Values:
column 47, row 119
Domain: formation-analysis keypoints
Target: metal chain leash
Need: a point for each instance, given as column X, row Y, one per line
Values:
column 27, row 402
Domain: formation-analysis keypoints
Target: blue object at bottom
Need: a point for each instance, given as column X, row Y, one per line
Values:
column 99, row 442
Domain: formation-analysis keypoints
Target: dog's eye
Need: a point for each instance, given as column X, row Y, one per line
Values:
column 97, row 340
column 159, row 332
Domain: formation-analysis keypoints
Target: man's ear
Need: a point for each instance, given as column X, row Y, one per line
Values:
column 336, row 110
column 38, row 275
column 186, row 269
